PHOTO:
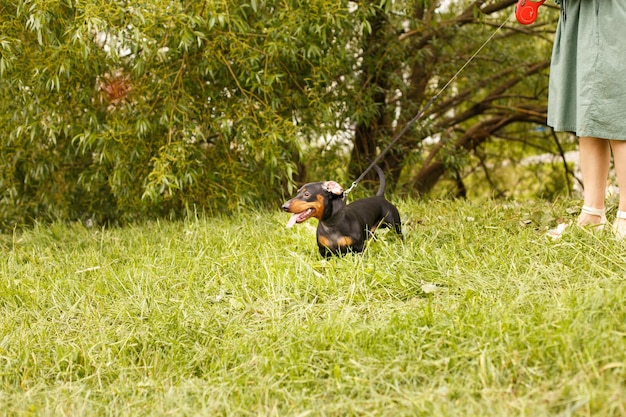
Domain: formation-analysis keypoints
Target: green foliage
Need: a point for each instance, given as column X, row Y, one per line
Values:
column 412, row 52
column 115, row 111
column 475, row 313
column 118, row 110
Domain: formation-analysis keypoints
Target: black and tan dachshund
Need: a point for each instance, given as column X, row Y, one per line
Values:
column 342, row 227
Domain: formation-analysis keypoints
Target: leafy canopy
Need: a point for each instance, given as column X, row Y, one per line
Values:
column 119, row 110
column 116, row 110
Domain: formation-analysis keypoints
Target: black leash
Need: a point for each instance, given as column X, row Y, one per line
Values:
column 422, row 110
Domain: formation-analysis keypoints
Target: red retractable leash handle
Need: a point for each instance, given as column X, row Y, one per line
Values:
column 526, row 11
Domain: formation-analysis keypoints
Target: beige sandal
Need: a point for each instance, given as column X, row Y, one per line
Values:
column 595, row 212
column 558, row 231
column 620, row 232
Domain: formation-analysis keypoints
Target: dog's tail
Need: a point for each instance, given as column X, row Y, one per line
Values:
column 383, row 182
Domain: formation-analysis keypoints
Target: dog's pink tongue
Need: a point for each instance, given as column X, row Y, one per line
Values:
column 292, row 220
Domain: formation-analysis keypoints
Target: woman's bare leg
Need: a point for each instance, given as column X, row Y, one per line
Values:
column 619, row 160
column 595, row 159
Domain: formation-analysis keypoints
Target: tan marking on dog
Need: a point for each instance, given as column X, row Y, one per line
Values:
column 344, row 241
column 319, row 207
column 323, row 240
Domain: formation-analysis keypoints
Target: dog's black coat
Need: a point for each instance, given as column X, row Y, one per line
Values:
column 342, row 227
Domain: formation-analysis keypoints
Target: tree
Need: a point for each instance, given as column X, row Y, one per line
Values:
column 119, row 110
column 414, row 49
column 116, row 111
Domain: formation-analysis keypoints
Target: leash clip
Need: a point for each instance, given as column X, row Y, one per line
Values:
column 346, row 192
column 526, row 11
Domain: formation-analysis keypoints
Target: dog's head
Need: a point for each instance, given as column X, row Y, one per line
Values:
column 313, row 200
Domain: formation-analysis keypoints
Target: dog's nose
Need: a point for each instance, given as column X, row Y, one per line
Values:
column 285, row 206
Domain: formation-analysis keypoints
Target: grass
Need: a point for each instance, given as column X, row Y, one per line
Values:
column 476, row 313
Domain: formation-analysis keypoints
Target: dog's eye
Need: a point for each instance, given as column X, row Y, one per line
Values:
column 307, row 194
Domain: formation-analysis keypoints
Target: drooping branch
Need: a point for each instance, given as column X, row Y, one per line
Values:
column 497, row 93
column 434, row 167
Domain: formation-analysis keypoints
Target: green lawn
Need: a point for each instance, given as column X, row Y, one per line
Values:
column 476, row 313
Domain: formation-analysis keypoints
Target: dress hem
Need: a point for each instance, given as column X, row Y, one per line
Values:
column 584, row 133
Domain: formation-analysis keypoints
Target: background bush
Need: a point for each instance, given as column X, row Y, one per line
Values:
column 116, row 111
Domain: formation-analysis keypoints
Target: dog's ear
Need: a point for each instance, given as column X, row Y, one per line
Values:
column 333, row 188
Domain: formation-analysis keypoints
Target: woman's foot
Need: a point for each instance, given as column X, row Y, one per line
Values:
column 590, row 218
column 593, row 218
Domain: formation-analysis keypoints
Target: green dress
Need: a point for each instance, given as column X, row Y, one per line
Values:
column 588, row 71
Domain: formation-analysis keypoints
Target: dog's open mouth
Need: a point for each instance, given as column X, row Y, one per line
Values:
column 300, row 217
